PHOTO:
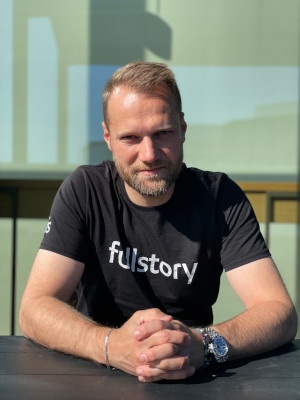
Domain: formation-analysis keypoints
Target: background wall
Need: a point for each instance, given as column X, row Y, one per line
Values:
column 237, row 65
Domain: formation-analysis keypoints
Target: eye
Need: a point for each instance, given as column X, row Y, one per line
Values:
column 128, row 138
column 163, row 132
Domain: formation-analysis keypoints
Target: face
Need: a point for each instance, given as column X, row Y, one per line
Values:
column 146, row 135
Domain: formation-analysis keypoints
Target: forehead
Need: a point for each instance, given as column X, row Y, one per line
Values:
column 126, row 98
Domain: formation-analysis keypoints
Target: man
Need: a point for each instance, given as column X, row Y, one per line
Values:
column 142, row 242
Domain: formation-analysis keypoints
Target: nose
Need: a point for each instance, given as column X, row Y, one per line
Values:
column 148, row 150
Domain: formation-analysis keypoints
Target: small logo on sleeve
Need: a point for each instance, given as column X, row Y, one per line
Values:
column 48, row 227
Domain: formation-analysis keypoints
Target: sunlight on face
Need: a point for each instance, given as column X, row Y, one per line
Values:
column 152, row 185
column 146, row 135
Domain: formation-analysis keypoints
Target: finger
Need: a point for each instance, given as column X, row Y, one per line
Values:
column 167, row 336
column 151, row 314
column 173, row 375
column 171, row 363
column 158, row 353
column 178, row 325
column 155, row 374
column 164, row 344
column 149, row 328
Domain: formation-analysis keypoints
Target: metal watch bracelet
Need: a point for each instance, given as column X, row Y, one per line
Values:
column 215, row 346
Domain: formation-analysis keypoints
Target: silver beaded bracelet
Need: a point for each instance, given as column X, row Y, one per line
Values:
column 106, row 348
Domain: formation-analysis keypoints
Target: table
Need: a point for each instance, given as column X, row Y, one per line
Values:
column 30, row 372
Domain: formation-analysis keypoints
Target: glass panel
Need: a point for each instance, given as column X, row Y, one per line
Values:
column 29, row 233
column 237, row 67
column 284, row 245
column 6, row 227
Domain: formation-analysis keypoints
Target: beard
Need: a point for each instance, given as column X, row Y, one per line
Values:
column 154, row 185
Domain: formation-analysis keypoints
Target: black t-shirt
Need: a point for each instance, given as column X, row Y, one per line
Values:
column 170, row 256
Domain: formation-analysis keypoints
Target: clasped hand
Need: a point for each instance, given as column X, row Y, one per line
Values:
column 153, row 346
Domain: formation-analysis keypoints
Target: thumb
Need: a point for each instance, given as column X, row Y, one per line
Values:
column 152, row 314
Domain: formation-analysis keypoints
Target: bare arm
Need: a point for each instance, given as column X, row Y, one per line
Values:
column 48, row 319
column 45, row 315
column 270, row 319
column 150, row 344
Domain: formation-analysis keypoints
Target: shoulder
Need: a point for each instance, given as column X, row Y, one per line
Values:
column 89, row 175
column 86, row 181
column 104, row 170
column 210, row 181
column 213, row 189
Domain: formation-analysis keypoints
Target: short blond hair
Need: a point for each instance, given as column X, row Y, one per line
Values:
column 142, row 77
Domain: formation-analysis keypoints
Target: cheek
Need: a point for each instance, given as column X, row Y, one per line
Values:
column 174, row 148
column 124, row 156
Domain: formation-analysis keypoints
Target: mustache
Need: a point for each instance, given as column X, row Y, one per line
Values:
column 149, row 167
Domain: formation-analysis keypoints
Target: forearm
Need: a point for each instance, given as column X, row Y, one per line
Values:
column 58, row 326
column 259, row 329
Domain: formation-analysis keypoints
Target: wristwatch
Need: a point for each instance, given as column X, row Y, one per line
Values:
column 215, row 346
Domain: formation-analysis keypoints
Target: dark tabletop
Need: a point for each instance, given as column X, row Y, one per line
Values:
column 30, row 372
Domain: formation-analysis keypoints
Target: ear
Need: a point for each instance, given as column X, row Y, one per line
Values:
column 183, row 125
column 106, row 135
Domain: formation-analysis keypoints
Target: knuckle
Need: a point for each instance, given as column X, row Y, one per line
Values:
column 183, row 363
column 156, row 312
column 171, row 349
column 165, row 335
column 137, row 313
column 159, row 325
column 150, row 355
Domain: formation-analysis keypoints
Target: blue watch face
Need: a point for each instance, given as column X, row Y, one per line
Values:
column 220, row 346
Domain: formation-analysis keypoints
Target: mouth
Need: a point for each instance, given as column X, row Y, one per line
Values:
column 150, row 171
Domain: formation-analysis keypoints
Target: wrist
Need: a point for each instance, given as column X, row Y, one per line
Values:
column 106, row 348
column 98, row 344
column 200, row 351
column 215, row 346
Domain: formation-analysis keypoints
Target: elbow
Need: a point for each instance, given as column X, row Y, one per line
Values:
column 23, row 320
column 291, row 324
column 295, row 324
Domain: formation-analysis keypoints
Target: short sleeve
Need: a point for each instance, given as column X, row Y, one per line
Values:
column 66, row 231
column 242, row 241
